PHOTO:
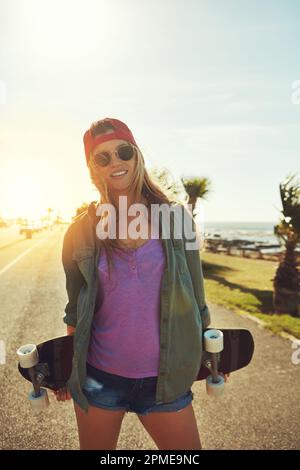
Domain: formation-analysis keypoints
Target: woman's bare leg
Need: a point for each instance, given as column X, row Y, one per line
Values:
column 99, row 428
column 173, row 430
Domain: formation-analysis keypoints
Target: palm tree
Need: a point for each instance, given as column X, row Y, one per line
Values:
column 196, row 188
column 165, row 180
column 49, row 210
column 286, row 295
column 81, row 209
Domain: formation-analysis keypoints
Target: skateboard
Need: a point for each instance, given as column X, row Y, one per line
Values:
column 48, row 365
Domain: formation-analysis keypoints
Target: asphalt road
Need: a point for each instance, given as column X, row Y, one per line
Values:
column 259, row 410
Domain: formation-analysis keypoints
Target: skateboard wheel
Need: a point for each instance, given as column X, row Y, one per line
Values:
column 215, row 389
column 28, row 356
column 213, row 341
column 39, row 403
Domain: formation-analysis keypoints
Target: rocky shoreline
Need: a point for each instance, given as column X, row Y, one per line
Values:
column 245, row 248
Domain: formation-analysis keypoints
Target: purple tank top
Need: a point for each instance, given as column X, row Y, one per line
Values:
column 125, row 336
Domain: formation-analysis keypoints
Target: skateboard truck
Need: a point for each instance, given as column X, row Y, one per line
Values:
column 29, row 359
column 213, row 344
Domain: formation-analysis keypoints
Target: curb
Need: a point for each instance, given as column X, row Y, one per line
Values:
column 263, row 324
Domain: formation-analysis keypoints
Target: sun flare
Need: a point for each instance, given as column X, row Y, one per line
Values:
column 24, row 196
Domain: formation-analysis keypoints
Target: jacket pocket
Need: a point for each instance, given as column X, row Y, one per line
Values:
column 85, row 261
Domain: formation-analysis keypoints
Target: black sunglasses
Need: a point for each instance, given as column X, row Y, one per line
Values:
column 124, row 152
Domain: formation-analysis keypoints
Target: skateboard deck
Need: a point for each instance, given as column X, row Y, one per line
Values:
column 237, row 352
column 55, row 358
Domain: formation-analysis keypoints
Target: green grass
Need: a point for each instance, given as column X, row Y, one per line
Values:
column 245, row 286
column 278, row 323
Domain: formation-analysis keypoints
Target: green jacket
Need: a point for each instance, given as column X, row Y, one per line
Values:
column 183, row 314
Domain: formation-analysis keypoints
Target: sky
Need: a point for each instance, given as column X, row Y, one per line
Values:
column 205, row 86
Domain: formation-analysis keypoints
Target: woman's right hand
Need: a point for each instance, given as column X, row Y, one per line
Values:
column 62, row 394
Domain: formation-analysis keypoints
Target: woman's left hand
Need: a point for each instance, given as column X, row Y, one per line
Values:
column 226, row 376
column 62, row 394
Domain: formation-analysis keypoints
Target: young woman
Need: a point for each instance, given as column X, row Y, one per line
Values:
column 136, row 305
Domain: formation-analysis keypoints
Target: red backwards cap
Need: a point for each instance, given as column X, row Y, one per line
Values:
column 121, row 131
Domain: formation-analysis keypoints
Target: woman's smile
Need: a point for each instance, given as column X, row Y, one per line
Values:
column 119, row 174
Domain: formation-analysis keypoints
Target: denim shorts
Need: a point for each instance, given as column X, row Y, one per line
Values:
column 114, row 392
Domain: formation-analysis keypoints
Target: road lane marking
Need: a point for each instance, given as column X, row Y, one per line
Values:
column 2, row 352
column 13, row 262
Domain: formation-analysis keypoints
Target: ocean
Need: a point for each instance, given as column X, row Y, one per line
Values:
column 252, row 231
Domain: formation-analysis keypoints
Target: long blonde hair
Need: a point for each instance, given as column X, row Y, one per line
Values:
column 142, row 185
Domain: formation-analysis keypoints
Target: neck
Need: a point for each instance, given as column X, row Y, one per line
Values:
column 132, row 198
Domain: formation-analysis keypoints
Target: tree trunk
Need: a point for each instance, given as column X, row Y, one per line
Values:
column 286, row 295
column 286, row 301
